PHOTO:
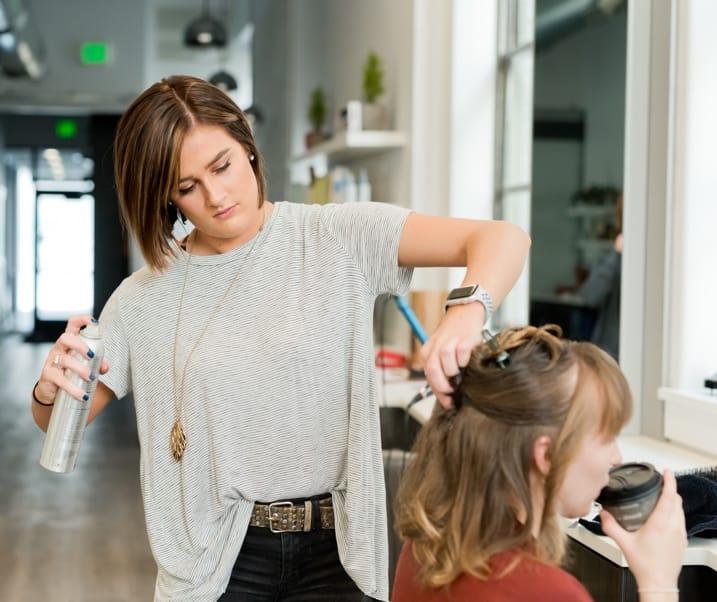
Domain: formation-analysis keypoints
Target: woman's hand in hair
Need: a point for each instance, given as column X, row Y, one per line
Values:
column 654, row 552
column 450, row 347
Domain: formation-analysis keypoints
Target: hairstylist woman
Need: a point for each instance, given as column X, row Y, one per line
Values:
column 248, row 349
column 531, row 440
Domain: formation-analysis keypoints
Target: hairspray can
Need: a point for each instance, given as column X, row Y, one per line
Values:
column 69, row 416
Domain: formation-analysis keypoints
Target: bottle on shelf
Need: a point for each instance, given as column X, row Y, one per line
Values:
column 364, row 187
column 343, row 185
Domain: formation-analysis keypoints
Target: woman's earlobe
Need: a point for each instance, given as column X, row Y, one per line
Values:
column 541, row 454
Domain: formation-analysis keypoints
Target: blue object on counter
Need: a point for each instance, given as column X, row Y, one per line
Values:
column 420, row 334
column 411, row 318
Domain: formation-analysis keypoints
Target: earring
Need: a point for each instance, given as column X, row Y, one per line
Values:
column 251, row 158
column 173, row 213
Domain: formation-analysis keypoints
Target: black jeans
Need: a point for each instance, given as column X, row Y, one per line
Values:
column 290, row 567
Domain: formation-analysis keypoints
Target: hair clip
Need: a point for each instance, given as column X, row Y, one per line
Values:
column 502, row 358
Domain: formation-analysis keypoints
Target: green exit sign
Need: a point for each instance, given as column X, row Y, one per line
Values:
column 95, row 53
column 66, row 129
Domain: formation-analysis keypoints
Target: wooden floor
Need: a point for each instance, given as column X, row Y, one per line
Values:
column 68, row 538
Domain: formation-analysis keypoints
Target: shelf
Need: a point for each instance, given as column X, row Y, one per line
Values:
column 353, row 145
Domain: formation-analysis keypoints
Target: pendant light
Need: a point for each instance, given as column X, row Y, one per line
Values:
column 224, row 80
column 205, row 31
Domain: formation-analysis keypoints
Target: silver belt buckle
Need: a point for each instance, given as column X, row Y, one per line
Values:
column 273, row 518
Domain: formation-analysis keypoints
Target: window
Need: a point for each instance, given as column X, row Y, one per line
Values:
column 514, row 132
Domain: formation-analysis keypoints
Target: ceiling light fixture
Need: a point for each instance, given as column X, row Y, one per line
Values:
column 224, row 80
column 205, row 31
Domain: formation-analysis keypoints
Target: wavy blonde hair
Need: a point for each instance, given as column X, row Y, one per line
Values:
column 460, row 500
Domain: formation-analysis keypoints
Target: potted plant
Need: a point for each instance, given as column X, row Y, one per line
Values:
column 317, row 117
column 374, row 115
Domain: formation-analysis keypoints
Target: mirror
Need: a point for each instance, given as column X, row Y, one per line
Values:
column 577, row 168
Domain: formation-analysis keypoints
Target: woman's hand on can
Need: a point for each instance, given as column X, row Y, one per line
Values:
column 53, row 376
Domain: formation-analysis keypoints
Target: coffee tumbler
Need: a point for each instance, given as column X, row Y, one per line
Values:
column 632, row 493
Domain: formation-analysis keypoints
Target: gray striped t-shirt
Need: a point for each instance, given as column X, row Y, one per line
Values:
column 279, row 396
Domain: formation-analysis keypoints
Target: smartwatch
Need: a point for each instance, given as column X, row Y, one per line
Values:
column 471, row 294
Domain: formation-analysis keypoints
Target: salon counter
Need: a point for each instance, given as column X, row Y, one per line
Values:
column 399, row 393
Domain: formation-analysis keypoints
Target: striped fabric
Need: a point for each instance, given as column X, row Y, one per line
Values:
column 280, row 399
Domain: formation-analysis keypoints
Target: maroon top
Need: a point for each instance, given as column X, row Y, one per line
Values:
column 530, row 580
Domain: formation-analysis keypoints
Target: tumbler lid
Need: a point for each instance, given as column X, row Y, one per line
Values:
column 630, row 480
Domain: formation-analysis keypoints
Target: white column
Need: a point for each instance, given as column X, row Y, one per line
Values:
column 472, row 113
column 693, row 267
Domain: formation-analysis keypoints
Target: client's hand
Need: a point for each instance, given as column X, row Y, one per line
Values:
column 654, row 552
column 450, row 347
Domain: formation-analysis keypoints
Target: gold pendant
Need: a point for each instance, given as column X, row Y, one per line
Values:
column 178, row 440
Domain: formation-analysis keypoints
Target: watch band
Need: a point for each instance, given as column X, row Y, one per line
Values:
column 471, row 294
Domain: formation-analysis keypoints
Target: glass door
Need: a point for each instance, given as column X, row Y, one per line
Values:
column 64, row 279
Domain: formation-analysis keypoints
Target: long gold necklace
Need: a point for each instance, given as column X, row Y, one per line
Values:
column 178, row 438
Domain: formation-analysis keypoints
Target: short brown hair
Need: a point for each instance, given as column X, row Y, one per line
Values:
column 458, row 501
column 147, row 147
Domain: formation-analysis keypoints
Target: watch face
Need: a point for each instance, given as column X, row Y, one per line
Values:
column 462, row 293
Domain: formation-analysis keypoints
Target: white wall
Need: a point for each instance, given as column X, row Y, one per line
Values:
column 692, row 292
column 473, row 60
column 329, row 42
column 431, row 151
